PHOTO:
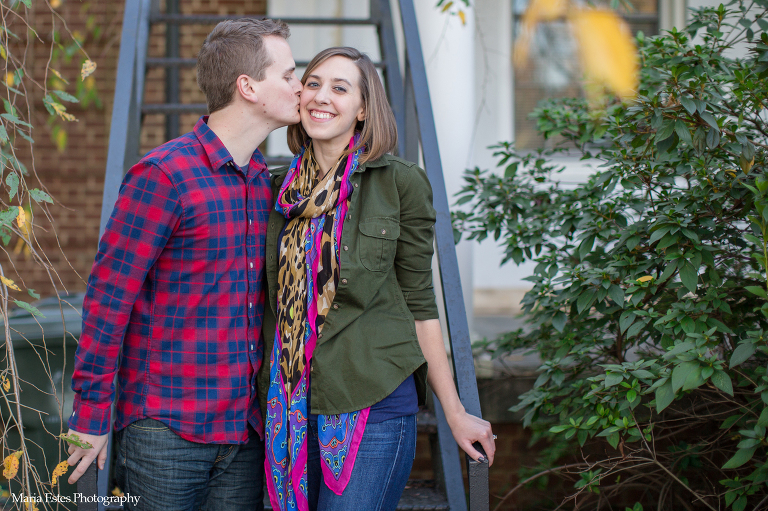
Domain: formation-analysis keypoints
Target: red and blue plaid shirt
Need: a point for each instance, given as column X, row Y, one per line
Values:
column 176, row 298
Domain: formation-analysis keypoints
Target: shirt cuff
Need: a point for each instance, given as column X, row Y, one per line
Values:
column 422, row 304
column 88, row 419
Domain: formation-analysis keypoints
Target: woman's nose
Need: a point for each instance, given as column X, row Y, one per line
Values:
column 321, row 96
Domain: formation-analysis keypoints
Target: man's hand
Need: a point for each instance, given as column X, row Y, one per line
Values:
column 86, row 456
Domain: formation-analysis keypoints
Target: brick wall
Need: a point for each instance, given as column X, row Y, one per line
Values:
column 74, row 176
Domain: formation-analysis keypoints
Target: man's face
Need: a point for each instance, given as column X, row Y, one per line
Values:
column 278, row 94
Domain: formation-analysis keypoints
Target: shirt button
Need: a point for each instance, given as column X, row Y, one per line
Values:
column 250, row 305
column 343, row 281
column 335, row 305
column 346, row 247
column 250, row 221
column 251, row 346
column 251, row 265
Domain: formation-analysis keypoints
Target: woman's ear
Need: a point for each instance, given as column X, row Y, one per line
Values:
column 361, row 115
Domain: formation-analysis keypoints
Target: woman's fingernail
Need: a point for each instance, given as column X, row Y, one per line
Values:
column 482, row 459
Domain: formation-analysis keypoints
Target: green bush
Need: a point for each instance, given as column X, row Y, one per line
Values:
column 649, row 307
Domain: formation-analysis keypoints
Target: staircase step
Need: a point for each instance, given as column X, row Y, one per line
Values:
column 419, row 495
column 174, row 108
column 181, row 62
column 212, row 19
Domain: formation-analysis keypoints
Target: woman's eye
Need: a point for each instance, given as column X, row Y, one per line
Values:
column 340, row 88
column 311, row 84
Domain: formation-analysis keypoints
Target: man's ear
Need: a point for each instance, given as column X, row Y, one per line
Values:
column 247, row 88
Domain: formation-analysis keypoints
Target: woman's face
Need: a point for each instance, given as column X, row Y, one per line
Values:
column 331, row 102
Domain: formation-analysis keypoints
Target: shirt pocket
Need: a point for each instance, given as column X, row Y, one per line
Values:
column 378, row 242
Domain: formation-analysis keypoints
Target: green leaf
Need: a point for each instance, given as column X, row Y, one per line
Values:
column 710, row 119
column 33, row 294
column 617, row 294
column 688, row 104
column 681, row 372
column 694, row 379
column 12, row 180
column 757, row 290
column 27, row 307
column 559, row 321
column 28, row 3
column 631, row 395
column 40, row 196
column 741, row 457
column 613, row 439
column 689, row 276
column 713, row 138
column 683, row 347
column 743, row 351
column 762, row 421
column 613, row 379
column 682, row 131
column 585, row 300
column 664, row 396
column 3, row 135
column 626, row 319
column 15, row 120
column 586, row 246
column 65, row 96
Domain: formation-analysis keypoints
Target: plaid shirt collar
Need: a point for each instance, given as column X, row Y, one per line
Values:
column 217, row 153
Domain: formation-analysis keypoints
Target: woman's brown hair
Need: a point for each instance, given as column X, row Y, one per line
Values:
column 378, row 132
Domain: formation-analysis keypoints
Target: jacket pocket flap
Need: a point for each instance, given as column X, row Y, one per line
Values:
column 383, row 228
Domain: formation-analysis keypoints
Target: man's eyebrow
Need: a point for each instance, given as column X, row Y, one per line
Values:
column 290, row 70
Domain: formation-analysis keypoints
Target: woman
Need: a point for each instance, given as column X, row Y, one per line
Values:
column 349, row 255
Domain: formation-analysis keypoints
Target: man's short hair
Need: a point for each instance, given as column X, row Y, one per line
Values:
column 234, row 48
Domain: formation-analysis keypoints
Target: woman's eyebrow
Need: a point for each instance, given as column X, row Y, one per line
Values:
column 335, row 79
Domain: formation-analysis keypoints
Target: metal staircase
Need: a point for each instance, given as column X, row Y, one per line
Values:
column 409, row 97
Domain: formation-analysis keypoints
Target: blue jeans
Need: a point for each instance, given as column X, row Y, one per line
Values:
column 173, row 474
column 381, row 470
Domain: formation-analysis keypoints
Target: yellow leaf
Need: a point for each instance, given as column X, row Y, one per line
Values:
column 608, row 54
column 55, row 4
column 58, row 75
column 60, row 137
column 21, row 218
column 537, row 11
column 447, row 6
column 6, row 384
column 3, row 53
column 31, row 506
column 645, row 278
column 11, row 465
column 9, row 283
column 463, row 17
column 10, row 79
column 117, row 492
column 89, row 67
column 59, row 471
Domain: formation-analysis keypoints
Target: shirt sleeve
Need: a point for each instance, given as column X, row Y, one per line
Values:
column 413, row 260
column 147, row 212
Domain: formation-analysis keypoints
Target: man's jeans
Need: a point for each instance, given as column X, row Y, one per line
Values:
column 172, row 474
column 381, row 470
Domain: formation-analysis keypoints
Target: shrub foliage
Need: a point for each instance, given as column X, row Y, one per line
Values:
column 649, row 306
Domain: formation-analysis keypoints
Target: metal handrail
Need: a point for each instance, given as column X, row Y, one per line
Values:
column 456, row 316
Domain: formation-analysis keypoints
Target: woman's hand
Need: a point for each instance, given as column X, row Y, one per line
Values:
column 468, row 429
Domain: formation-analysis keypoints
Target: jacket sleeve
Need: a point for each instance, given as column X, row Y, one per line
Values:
column 413, row 260
column 147, row 212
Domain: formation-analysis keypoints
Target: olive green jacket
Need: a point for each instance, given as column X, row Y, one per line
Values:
column 368, row 344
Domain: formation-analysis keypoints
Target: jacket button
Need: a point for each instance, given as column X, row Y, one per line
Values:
column 357, row 185
column 346, row 247
column 335, row 305
column 320, row 336
column 343, row 281
column 383, row 231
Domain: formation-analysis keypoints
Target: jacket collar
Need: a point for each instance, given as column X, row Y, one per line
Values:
column 381, row 161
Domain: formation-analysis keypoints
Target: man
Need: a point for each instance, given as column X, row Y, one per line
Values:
column 175, row 297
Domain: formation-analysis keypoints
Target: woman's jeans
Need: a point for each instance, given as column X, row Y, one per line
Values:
column 381, row 470
column 169, row 473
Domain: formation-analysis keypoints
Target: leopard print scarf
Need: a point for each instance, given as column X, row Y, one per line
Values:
column 307, row 278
